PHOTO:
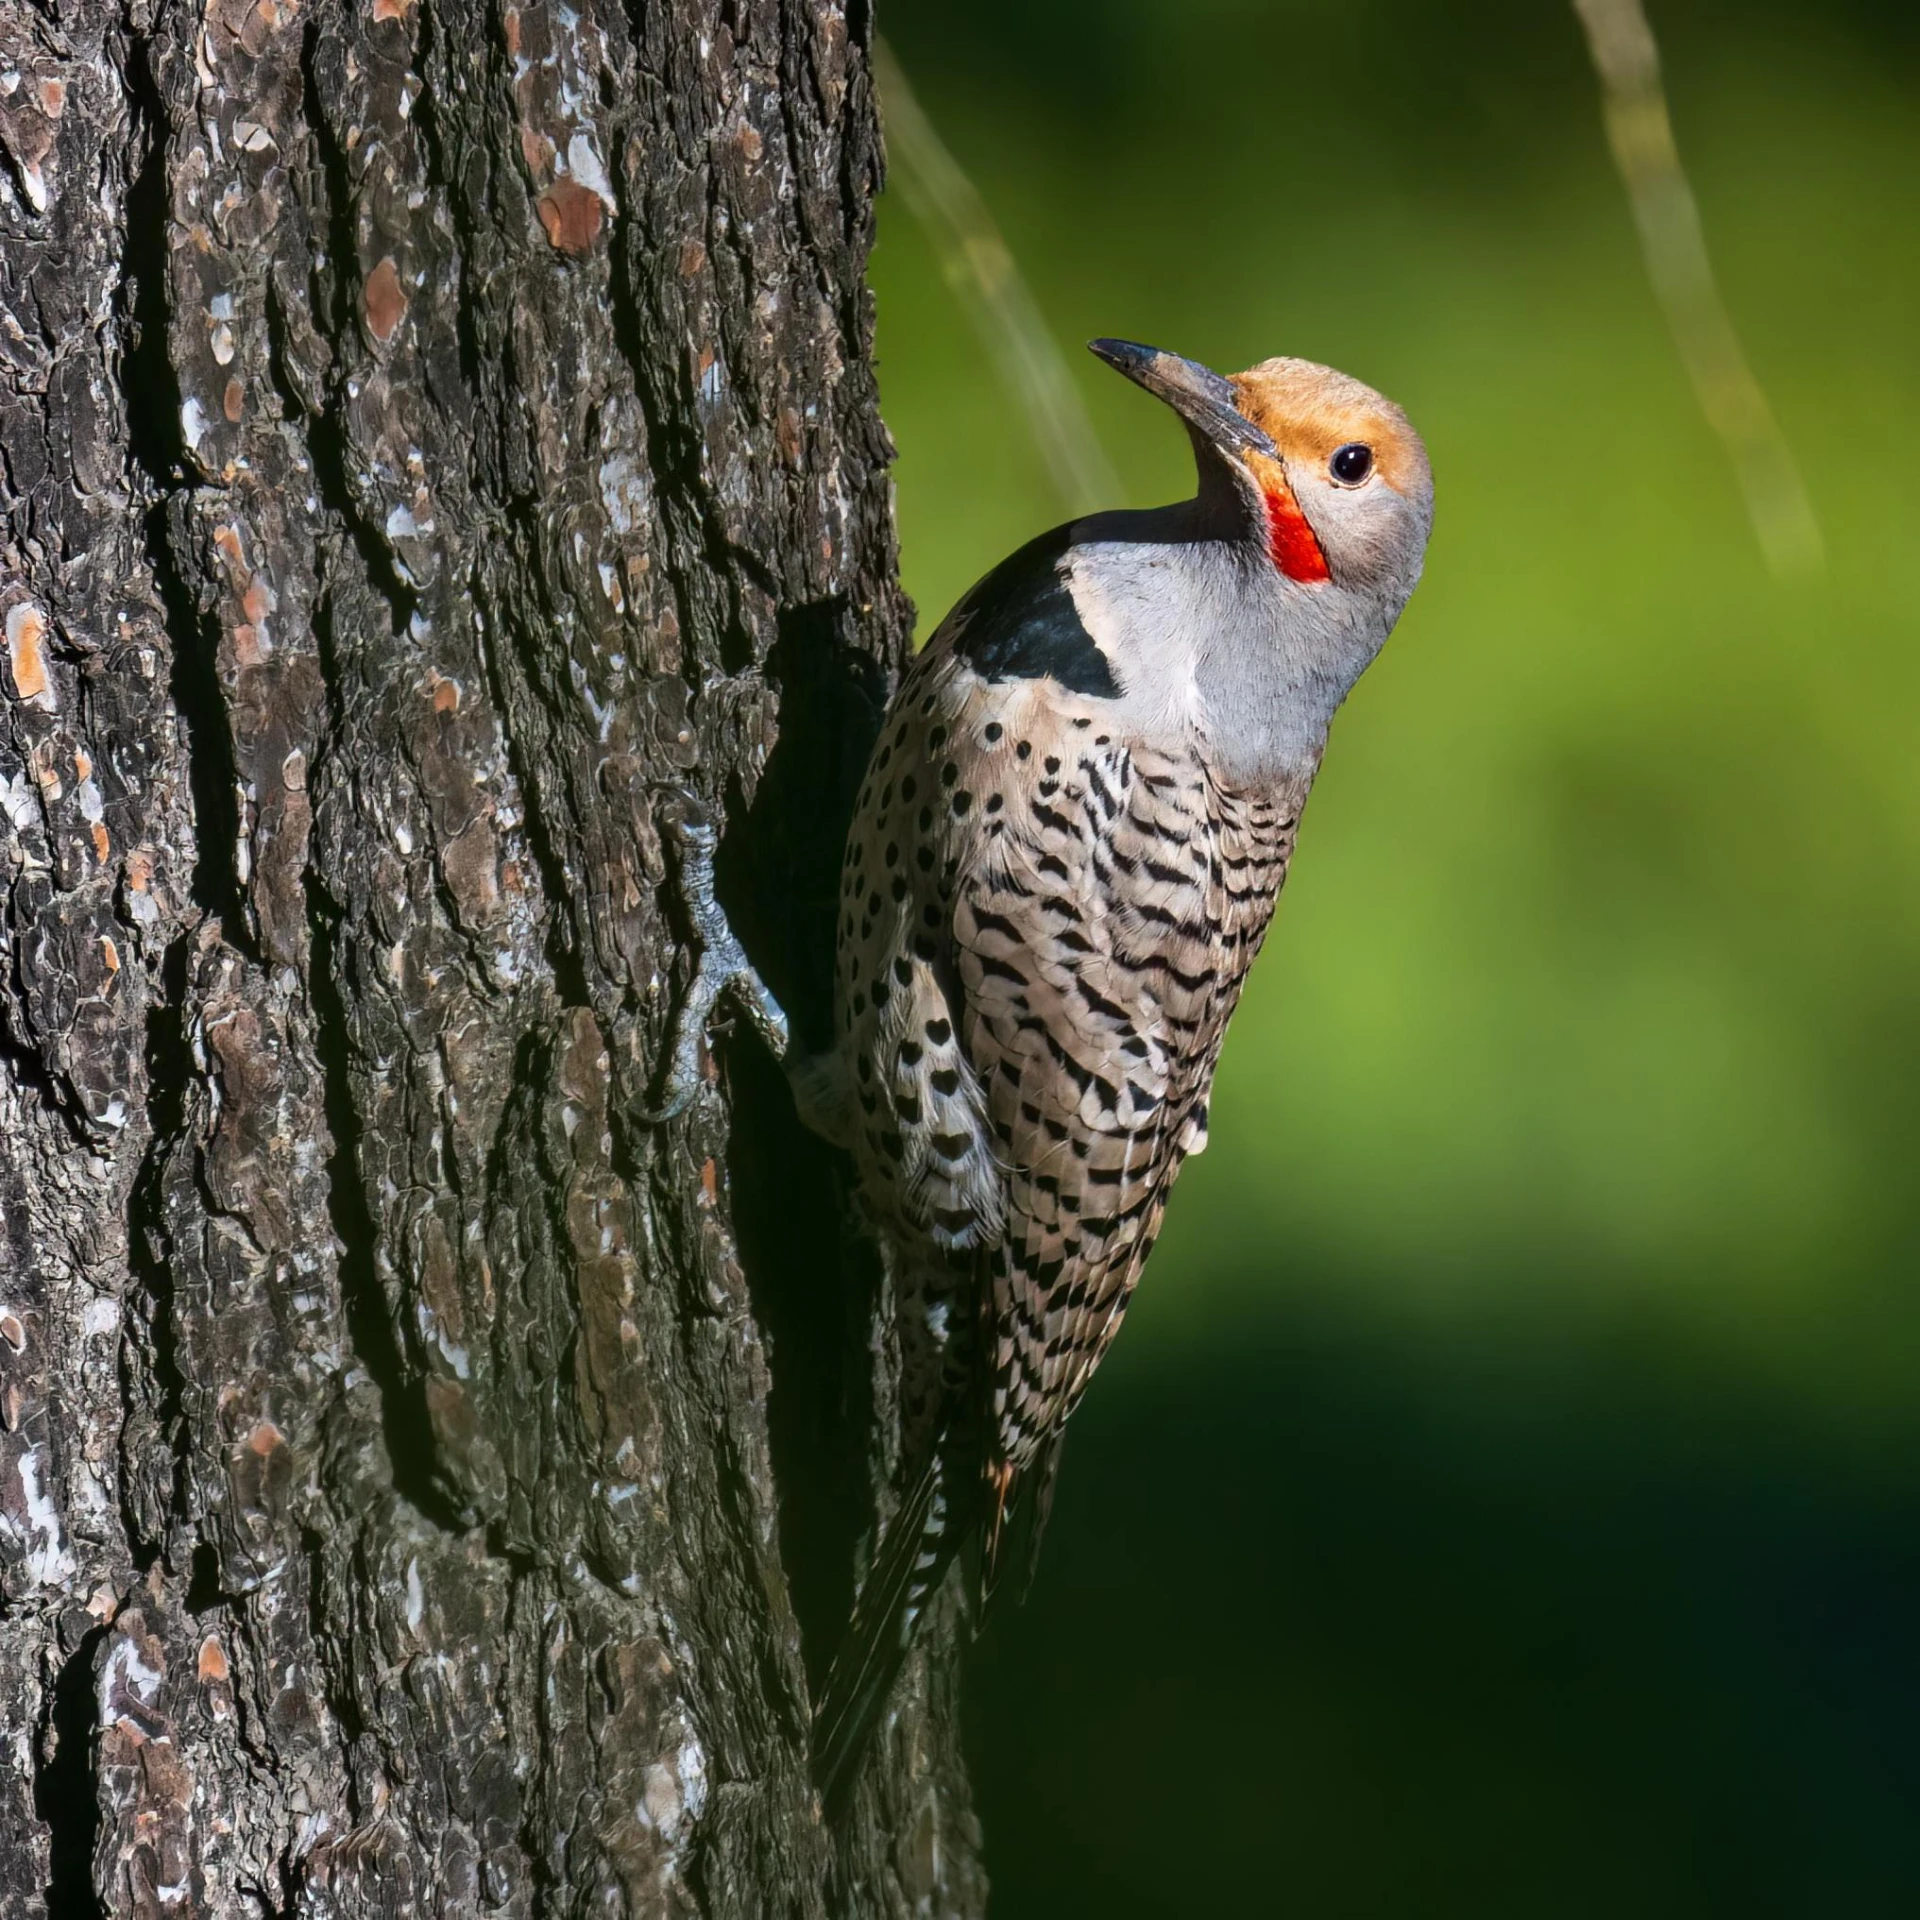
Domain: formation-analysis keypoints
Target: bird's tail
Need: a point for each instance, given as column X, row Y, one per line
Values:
column 915, row 1552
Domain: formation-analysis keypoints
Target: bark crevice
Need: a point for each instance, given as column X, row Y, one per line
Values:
column 157, row 453
column 411, row 1452
column 150, row 1359
column 63, row 1791
column 326, row 436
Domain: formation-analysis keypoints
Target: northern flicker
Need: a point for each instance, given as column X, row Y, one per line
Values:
column 1064, row 858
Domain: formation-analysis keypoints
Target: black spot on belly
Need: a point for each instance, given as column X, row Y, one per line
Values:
column 1020, row 623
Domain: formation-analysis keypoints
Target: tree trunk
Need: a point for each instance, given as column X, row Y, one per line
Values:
column 431, row 432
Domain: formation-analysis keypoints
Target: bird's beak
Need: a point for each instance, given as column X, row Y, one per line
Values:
column 1201, row 397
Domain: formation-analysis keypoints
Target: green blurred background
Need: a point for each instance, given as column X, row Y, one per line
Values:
column 1505, row 1499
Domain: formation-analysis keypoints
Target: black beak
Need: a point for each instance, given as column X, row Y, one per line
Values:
column 1201, row 397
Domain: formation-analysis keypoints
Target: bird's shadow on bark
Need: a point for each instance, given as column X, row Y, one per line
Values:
column 811, row 1271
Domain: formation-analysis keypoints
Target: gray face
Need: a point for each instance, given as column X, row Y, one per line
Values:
column 1245, row 616
column 1373, row 534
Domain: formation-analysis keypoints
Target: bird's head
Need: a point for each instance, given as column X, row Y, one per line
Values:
column 1326, row 477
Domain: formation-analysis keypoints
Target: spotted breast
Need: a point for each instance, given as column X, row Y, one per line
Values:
column 1045, row 924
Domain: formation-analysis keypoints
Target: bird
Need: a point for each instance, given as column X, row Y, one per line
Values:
column 1066, row 853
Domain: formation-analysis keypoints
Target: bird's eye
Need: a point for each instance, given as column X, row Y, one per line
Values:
column 1351, row 464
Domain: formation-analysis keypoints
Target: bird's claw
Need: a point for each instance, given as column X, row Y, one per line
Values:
column 723, row 968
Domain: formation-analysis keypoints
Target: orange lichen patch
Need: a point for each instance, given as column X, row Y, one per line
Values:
column 260, row 25
column 571, row 215
column 710, row 1182
column 264, row 1438
column 212, row 1666
column 450, row 1411
column 82, row 764
column 384, row 301
column 140, row 870
column 1307, row 411
column 391, row 9
column 247, row 648
column 227, row 539
column 53, row 98
column 46, row 775
column 257, row 602
column 513, row 32
column 102, row 843
column 26, row 631
column 445, row 694
column 109, row 955
column 535, row 149
column 472, row 867
column 230, row 401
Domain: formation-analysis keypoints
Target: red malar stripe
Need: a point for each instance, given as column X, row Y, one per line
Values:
column 1291, row 542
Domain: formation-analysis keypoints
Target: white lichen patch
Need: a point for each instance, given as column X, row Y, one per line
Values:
column 36, row 1529
column 587, row 167
column 18, row 806
column 125, row 1672
column 693, row 1776
column 623, row 492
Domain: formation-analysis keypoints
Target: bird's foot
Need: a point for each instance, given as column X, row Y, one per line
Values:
column 724, row 967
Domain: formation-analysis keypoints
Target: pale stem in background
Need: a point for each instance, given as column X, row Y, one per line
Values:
column 1641, row 134
column 978, row 266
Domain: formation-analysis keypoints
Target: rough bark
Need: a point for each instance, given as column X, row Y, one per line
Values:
column 429, row 430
